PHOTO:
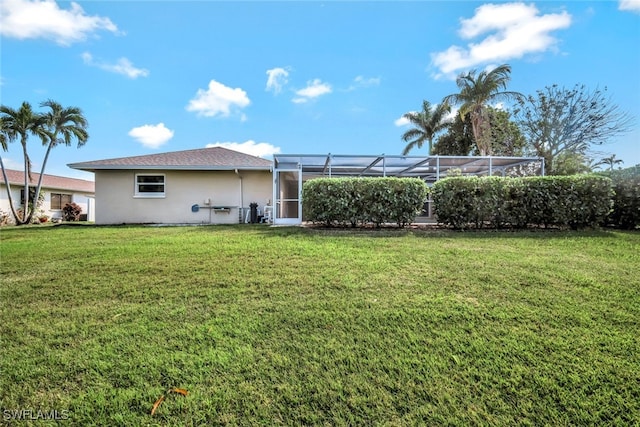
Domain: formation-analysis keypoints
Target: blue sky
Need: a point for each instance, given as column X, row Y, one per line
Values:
column 295, row 77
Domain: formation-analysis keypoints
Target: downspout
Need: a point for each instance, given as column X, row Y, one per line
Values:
column 241, row 198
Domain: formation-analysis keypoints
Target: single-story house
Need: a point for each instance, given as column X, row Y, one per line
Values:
column 218, row 185
column 201, row 186
column 57, row 192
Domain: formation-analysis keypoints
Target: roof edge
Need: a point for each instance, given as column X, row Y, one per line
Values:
column 90, row 168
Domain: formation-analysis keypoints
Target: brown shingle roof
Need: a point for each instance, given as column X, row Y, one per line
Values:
column 215, row 158
column 50, row 181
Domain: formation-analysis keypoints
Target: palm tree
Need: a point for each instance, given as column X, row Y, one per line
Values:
column 476, row 92
column 4, row 140
column 18, row 124
column 61, row 126
column 427, row 122
column 611, row 161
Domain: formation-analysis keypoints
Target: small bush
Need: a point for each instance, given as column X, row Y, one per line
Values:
column 71, row 212
column 453, row 200
column 565, row 201
column 359, row 201
column 5, row 218
column 626, row 203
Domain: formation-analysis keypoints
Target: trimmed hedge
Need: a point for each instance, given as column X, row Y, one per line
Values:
column 567, row 201
column 626, row 203
column 359, row 201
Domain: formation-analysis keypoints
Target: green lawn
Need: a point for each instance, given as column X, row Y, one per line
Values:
column 293, row 326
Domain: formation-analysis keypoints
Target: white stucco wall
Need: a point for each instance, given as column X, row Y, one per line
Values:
column 116, row 202
column 83, row 200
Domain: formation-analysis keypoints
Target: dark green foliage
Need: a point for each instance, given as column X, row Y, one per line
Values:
column 71, row 212
column 458, row 140
column 359, row 201
column 571, row 201
column 626, row 203
column 505, row 135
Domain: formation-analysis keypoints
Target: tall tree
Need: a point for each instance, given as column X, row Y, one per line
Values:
column 18, row 124
column 61, row 126
column 557, row 121
column 427, row 123
column 611, row 161
column 476, row 92
column 4, row 141
column 458, row 139
column 505, row 136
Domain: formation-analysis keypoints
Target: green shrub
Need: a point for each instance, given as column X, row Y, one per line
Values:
column 358, row 201
column 516, row 203
column 626, row 203
column 565, row 201
column 454, row 200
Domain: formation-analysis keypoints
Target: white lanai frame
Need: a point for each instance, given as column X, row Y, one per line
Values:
column 291, row 170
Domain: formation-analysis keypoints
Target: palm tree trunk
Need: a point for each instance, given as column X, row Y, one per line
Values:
column 27, row 177
column 6, row 180
column 39, row 186
column 476, row 127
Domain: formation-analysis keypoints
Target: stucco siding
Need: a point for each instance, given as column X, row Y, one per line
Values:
column 117, row 203
column 81, row 199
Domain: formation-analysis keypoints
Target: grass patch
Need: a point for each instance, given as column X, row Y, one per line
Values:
column 293, row 326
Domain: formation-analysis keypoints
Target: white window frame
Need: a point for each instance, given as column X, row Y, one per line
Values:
column 150, row 195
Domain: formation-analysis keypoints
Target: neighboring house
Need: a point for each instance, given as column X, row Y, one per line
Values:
column 201, row 186
column 57, row 191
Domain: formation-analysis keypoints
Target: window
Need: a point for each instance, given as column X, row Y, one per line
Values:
column 149, row 185
column 59, row 200
column 32, row 192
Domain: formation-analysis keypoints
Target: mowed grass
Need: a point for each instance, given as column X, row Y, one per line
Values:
column 294, row 326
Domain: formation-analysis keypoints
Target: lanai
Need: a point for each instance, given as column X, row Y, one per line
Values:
column 292, row 170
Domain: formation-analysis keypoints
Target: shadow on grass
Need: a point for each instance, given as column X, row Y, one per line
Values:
column 435, row 232
column 431, row 231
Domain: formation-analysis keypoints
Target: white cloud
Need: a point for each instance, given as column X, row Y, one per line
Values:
column 314, row 89
column 261, row 149
column 361, row 81
column 33, row 19
column 511, row 31
column 18, row 165
column 499, row 106
column 630, row 5
column 218, row 99
column 402, row 121
column 277, row 79
column 122, row 66
column 452, row 114
column 152, row 136
column 449, row 117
